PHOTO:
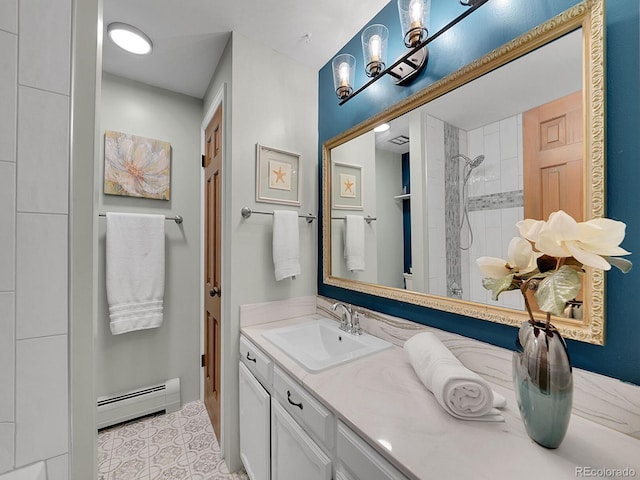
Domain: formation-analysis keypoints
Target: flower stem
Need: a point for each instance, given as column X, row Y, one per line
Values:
column 546, row 327
column 523, row 290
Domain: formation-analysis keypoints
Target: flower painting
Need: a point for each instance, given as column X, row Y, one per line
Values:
column 136, row 166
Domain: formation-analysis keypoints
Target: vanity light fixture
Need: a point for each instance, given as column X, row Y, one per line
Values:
column 374, row 49
column 130, row 38
column 414, row 18
column 344, row 70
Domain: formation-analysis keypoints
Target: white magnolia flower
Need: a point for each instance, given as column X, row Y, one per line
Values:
column 588, row 242
column 521, row 260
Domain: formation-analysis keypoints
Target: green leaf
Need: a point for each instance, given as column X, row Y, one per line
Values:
column 622, row 264
column 557, row 289
column 499, row 285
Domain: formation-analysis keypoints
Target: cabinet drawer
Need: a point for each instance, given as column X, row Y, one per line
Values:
column 304, row 408
column 258, row 364
column 360, row 460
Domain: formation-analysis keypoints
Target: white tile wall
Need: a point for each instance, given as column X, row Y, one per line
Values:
column 7, row 356
column 43, row 166
column 41, row 298
column 45, row 44
column 9, row 15
column 6, row 447
column 42, row 415
column 8, row 72
column 34, row 167
column 7, row 220
column 58, row 468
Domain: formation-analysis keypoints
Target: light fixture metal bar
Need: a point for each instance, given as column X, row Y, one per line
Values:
column 422, row 44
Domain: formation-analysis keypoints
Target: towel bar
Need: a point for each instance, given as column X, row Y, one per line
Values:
column 246, row 212
column 367, row 219
column 178, row 219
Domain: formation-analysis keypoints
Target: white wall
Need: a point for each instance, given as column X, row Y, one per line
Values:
column 271, row 100
column 34, row 214
column 145, row 357
column 389, row 226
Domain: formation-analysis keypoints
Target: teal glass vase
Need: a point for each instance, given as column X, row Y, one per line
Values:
column 543, row 383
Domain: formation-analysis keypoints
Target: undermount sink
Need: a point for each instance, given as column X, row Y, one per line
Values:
column 320, row 344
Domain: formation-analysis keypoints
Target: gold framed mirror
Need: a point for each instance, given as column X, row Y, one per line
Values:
column 560, row 59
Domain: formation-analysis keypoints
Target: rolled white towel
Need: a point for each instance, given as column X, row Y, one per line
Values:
column 461, row 392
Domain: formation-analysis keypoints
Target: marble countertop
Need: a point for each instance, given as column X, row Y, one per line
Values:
column 381, row 398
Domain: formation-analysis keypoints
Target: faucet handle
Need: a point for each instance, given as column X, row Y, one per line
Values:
column 355, row 329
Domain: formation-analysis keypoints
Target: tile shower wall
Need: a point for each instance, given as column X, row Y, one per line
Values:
column 35, row 45
column 495, row 204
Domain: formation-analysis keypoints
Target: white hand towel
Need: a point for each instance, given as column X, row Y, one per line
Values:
column 354, row 242
column 286, row 248
column 135, row 271
column 461, row 392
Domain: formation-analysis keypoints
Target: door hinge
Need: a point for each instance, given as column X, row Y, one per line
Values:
column 203, row 158
column 202, row 362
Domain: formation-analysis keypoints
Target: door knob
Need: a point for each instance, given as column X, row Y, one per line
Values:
column 214, row 291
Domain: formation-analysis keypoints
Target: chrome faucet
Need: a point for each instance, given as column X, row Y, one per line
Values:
column 346, row 322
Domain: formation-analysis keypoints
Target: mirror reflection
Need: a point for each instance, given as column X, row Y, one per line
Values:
column 461, row 163
column 446, row 180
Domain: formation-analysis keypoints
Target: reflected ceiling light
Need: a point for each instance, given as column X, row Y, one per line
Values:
column 382, row 128
column 414, row 19
column 130, row 38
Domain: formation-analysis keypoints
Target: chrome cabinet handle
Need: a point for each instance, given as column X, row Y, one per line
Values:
column 299, row 405
column 250, row 359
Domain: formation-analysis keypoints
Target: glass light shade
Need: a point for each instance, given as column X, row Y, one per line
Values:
column 374, row 49
column 129, row 38
column 415, row 16
column 344, row 69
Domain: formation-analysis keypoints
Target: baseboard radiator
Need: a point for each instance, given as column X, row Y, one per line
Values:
column 113, row 409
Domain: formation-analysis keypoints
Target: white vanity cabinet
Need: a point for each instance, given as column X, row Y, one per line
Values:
column 255, row 370
column 255, row 407
column 294, row 454
column 287, row 434
column 357, row 460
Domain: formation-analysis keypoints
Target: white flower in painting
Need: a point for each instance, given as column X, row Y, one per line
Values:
column 588, row 242
column 521, row 260
column 139, row 167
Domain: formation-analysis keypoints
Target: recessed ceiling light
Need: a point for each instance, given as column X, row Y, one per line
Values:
column 129, row 38
column 382, row 128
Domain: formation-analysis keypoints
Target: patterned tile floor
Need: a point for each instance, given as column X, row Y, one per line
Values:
column 175, row 446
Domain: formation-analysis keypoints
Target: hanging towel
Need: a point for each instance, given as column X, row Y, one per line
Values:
column 354, row 242
column 135, row 271
column 286, row 248
column 461, row 392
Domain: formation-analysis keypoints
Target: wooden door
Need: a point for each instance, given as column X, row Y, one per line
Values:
column 212, row 164
column 553, row 158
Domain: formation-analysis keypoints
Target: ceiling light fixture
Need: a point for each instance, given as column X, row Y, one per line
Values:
column 383, row 127
column 130, row 38
column 414, row 19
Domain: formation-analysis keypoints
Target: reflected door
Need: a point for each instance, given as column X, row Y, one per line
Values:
column 212, row 272
column 553, row 158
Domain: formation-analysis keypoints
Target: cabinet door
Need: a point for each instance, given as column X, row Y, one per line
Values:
column 254, row 426
column 294, row 455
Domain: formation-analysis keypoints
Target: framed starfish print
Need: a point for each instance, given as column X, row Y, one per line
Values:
column 347, row 186
column 277, row 176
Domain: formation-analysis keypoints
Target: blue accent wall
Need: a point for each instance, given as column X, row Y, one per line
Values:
column 491, row 26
